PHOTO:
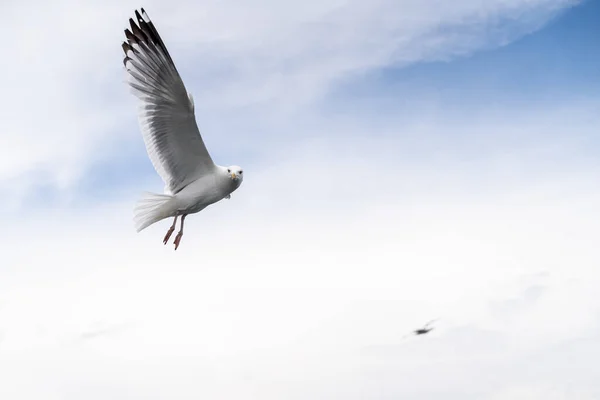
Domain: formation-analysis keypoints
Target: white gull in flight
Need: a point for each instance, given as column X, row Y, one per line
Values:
column 172, row 138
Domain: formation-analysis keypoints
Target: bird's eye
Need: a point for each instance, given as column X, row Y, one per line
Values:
column 241, row 172
column 228, row 170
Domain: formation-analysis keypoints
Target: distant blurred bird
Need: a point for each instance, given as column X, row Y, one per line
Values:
column 173, row 142
column 425, row 329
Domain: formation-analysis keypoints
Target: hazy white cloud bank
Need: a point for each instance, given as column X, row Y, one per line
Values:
column 280, row 294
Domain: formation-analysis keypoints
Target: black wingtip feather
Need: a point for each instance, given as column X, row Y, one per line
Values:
column 126, row 47
column 137, row 31
column 138, row 16
column 145, row 33
column 131, row 37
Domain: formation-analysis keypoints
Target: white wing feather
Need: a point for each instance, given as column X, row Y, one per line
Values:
column 166, row 115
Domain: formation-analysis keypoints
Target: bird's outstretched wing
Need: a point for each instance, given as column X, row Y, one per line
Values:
column 429, row 323
column 166, row 114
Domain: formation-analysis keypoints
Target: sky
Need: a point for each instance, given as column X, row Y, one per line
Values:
column 404, row 160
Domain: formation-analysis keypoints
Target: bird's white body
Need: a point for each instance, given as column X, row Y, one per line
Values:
column 172, row 138
column 192, row 198
column 205, row 191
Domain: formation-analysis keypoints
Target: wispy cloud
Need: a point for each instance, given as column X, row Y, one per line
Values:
column 73, row 109
column 102, row 330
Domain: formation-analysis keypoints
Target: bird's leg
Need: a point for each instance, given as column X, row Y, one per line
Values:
column 180, row 233
column 170, row 231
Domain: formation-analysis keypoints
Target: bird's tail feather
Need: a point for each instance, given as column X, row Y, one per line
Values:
column 151, row 208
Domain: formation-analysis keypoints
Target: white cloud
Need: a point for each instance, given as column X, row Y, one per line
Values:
column 544, row 391
column 277, row 294
column 65, row 102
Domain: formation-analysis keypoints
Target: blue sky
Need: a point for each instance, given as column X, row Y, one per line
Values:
column 557, row 61
column 383, row 188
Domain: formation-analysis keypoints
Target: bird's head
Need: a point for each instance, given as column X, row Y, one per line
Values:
column 236, row 174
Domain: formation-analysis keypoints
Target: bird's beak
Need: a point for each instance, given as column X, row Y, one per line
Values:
column 233, row 176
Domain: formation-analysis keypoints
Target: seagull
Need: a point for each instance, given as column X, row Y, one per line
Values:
column 171, row 136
